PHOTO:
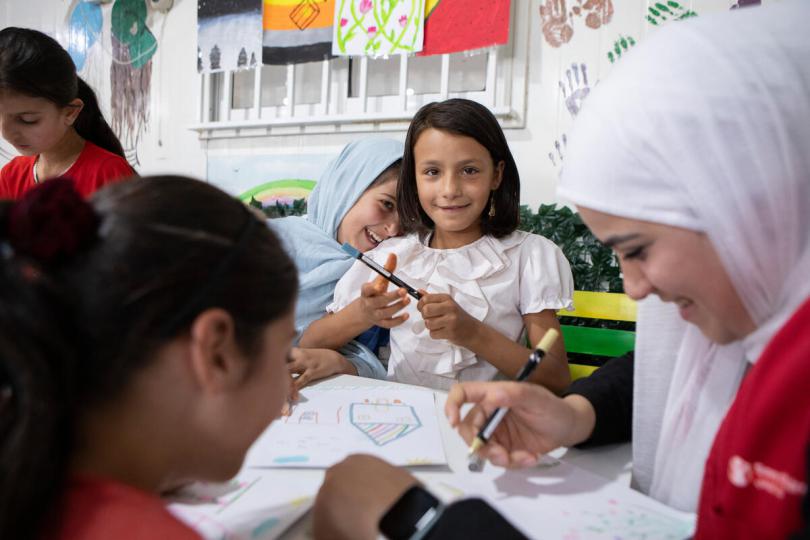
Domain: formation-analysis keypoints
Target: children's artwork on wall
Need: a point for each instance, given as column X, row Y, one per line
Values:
column 574, row 89
column 297, row 31
column 558, row 21
column 462, row 25
column 620, row 46
column 249, row 507
column 131, row 88
column 378, row 27
column 84, row 28
column 280, row 198
column 229, row 34
column 745, row 3
column 133, row 46
column 328, row 424
column 268, row 179
column 661, row 12
column 129, row 28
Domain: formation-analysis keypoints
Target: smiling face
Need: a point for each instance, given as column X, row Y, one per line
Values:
column 34, row 125
column 677, row 265
column 455, row 177
column 374, row 217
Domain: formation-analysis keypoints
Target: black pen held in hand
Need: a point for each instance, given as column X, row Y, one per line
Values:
column 546, row 342
column 368, row 261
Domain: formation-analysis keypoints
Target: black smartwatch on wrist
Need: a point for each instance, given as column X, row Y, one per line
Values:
column 412, row 515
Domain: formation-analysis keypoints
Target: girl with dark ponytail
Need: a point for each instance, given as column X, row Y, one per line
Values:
column 133, row 332
column 52, row 117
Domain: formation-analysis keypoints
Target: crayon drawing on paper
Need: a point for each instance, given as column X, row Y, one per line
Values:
column 399, row 425
column 378, row 27
column 297, row 31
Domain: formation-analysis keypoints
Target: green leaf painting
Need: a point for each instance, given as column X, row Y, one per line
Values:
column 660, row 12
column 378, row 27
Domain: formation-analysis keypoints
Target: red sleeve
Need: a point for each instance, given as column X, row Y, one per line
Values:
column 16, row 178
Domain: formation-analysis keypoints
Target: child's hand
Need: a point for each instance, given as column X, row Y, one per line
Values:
column 379, row 308
column 446, row 320
column 315, row 364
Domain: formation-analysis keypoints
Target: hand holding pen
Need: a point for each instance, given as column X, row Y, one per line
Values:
column 379, row 307
column 536, row 423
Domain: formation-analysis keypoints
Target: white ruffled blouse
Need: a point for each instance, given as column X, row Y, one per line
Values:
column 496, row 280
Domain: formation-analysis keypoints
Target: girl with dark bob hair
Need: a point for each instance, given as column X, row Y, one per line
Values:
column 134, row 329
column 485, row 285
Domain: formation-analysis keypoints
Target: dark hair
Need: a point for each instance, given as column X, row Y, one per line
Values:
column 38, row 354
column 34, row 64
column 469, row 119
column 165, row 249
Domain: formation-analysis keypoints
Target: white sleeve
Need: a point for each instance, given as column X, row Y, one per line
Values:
column 348, row 287
column 546, row 281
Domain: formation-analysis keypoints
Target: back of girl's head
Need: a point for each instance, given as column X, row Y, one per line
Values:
column 469, row 119
column 136, row 266
column 39, row 349
column 169, row 248
column 35, row 65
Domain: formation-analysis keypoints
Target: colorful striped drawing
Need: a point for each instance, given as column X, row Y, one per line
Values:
column 384, row 423
column 297, row 31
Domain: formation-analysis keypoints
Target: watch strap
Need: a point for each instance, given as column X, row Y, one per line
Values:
column 412, row 516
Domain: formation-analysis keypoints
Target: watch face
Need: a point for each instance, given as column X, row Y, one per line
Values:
column 408, row 514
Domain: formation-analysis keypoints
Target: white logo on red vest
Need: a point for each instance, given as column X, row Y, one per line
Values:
column 742, row 473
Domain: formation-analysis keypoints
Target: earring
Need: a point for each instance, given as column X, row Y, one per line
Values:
column 492, row 206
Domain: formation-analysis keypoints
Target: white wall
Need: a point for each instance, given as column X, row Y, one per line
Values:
column 168, row 146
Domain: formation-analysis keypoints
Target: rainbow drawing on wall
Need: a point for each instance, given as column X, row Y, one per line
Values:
column 284, row 192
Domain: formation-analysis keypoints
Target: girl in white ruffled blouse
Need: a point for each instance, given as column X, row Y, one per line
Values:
column 484, row 283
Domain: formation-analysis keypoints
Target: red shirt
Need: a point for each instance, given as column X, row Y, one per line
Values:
column 94, row 168
column 96, row 509
column 756, row 472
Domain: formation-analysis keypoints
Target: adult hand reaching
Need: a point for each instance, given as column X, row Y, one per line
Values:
column 537, row 422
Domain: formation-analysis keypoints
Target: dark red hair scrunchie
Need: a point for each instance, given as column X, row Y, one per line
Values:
column 51, row 221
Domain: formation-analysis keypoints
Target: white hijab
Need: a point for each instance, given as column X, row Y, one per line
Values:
column 706, row 126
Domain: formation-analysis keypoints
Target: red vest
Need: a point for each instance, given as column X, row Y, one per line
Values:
column 756, row 472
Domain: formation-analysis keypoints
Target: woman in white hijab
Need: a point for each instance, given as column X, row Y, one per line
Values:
column 692, row 160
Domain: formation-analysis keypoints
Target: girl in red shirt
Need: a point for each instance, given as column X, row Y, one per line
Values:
column 51, row 116
column 132, row 335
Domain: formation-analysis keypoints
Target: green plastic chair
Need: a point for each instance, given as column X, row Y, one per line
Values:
column 598, row 341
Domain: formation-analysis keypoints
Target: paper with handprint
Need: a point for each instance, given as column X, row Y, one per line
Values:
column 378, row 27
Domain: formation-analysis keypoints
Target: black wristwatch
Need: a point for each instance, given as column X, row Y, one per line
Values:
column 412, row 515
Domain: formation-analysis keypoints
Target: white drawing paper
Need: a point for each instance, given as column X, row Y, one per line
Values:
column 558, row 500
column 254, row 506
column 398, row 425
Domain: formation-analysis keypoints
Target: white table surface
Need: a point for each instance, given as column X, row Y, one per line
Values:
column 611, row 462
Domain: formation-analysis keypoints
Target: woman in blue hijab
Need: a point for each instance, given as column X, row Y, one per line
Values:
column 354, row 201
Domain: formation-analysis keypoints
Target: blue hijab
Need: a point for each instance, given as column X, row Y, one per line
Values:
column 312, row 242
